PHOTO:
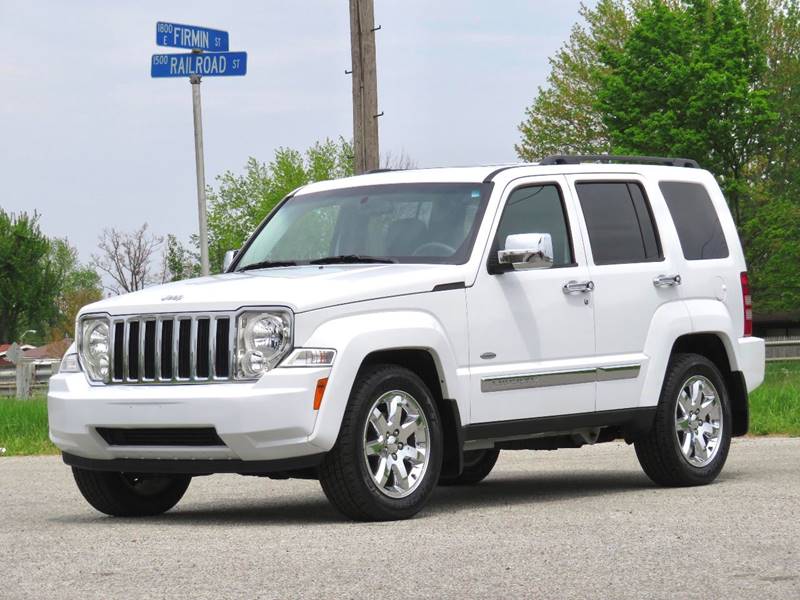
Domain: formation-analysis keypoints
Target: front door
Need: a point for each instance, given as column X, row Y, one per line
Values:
column 532, row 341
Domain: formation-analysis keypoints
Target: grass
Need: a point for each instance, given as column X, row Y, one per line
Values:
column 775, row 406
column 774, row 410
column 23, row 427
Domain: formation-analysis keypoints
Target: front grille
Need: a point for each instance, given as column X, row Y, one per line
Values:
column 172, row 348
column 194, row 436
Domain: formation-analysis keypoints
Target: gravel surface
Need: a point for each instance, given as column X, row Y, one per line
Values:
column 565, row 524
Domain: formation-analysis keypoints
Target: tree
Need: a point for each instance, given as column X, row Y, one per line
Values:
column 242, row 201
column 29, row 281
column 79, row 285
column 562, row 118
column 179, row 261
column 773, row 256
column 127, row 259
column 688, row 82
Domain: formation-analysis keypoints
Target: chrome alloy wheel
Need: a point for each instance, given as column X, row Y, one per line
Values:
column 396, row 437
column 698, row 421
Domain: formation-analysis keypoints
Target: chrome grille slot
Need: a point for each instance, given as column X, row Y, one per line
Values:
column 181, row 348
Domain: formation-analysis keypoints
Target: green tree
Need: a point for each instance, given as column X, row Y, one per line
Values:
column 29, row 280
column 242, row 201
column 562, row 118
column 688, row 82
column 79, row 285
column 773, row 255
column 179, row 261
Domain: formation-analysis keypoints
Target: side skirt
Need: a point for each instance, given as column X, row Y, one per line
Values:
column 631, row 421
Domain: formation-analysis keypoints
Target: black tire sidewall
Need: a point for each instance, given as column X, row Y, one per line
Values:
column 382, row 381
column 705, row 368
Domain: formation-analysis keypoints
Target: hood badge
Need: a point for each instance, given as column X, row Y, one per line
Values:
column 172, row 298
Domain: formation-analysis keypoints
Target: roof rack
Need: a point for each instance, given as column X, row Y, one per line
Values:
column 565, row 159
column 381, row 170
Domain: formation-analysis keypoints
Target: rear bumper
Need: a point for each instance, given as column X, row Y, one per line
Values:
column 751, row 358
column 271, row 419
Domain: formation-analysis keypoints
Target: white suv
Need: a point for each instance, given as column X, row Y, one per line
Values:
column 394, row 331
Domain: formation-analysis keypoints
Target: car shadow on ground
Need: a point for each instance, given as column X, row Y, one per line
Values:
column 502, row 489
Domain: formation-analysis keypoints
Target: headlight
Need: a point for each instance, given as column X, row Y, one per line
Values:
column 95, row 348
column 263, row 339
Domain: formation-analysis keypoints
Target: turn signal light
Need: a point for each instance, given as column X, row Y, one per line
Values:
column 319, row 392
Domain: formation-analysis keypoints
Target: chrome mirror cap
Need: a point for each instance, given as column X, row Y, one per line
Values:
column 228, row 260
column 527, row 251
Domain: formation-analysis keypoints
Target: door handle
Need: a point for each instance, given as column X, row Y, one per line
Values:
column 666, row 280
column 577, row 287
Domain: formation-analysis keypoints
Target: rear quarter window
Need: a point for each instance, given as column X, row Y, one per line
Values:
column 695, row 219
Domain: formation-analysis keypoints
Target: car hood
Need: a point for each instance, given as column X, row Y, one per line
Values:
column 301, row 288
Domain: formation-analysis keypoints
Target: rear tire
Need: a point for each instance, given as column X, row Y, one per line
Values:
column 691, row 433
column 477, row 466
column 387, row 459
column 129, row 495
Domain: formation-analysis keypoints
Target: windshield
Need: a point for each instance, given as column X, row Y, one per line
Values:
column 406, row 223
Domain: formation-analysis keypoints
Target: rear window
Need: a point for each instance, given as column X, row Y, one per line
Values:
column 695, row 219
column 619, row 222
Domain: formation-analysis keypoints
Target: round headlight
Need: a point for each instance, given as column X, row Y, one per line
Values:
column 95, row 349
column 264, row 339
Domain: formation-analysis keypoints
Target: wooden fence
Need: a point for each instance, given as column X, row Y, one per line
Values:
column 40, row 376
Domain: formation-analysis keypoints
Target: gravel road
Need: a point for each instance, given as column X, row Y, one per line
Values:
column 566, row 524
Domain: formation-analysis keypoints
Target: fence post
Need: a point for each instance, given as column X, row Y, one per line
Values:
column 25, row 371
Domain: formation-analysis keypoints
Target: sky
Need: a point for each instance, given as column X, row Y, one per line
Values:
column 88, row 140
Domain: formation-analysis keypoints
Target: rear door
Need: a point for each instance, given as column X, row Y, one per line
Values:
column 632, row 278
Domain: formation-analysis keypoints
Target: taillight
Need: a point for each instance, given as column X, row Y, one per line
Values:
column 747, row 301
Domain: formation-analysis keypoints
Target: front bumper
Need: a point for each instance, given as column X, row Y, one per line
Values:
column 270, row 419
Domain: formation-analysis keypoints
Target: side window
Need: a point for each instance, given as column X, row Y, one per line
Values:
column 695, row 219
column 619, row 221
column 538, row 209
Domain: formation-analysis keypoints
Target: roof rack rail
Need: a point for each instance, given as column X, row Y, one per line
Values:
column 576, row 159
column 371, row 171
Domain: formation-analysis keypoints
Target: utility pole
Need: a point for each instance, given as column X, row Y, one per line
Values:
column 365, row 86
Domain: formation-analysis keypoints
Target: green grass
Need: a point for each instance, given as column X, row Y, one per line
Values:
column 23, row 427
column 774, row 410
column 775, row 406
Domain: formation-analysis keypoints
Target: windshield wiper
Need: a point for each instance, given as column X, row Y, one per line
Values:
column 350, row 258
column 266, row 264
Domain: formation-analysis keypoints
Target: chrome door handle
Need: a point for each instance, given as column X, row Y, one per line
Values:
column 577, row 287
column 666, row 280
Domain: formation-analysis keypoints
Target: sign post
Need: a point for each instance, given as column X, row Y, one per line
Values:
column 200, row 169
column 216, row 62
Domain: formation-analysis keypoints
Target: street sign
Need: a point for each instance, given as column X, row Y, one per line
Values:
column 217, row 64
column 209, row 58
column 191, row 37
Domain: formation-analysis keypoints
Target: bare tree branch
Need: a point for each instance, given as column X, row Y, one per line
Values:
column 125, row 258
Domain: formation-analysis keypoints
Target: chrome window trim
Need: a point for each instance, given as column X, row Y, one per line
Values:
column 524, row 381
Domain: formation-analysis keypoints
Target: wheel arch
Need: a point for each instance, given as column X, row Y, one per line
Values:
column 713, row 346
column 423, row 362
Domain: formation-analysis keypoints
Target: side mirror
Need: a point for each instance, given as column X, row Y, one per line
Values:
column 527, row 251
column 228, row 260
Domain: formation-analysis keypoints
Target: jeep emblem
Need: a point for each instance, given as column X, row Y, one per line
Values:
column 173, row 298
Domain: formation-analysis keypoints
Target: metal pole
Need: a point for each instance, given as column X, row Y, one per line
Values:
column 201, row 173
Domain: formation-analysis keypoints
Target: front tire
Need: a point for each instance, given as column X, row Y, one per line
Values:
column 691, row 434
column 129, row 495
column 388, row 457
